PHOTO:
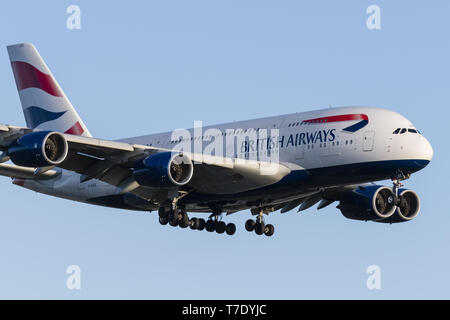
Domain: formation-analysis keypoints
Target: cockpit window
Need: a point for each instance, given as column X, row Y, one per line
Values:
column 403, row 130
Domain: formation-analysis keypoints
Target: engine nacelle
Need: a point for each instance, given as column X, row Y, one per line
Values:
column 164, row 170
column 368, row 203
column 408, row 207
column 39, row 149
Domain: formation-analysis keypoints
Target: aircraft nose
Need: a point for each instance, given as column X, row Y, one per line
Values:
column 425, row 149
column 422, row 153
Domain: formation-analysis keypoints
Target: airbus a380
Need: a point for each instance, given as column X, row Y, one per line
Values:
column 327, row 156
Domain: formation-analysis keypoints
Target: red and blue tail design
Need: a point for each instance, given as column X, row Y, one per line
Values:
column 44, row 104
column 364, row 120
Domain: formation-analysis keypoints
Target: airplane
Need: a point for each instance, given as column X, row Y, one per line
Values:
column 333, row 155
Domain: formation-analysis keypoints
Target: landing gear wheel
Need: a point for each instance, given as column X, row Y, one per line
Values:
column 183, row 224
column 201, row 224
column 162, row 212
column 193, row 224
column 269, row 230
column 220, row 227
column 259, row 228
column 173, row 217
column 210, row 225
column 184, row 221
column 250, row 225
column 173, row 223
column 230, row 229
column 163, row 220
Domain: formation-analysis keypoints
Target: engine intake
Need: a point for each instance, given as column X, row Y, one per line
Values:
column 408, row 207
column 39, row 149
column 368, row 203
column 165, row 169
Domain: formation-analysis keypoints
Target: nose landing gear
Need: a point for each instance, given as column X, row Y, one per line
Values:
column 397, row 184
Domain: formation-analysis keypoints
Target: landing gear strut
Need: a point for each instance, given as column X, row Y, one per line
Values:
column 258, row 226
column 399, row 176
column 168, row 215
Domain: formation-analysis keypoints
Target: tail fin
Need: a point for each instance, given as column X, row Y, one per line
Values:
column 44, row 104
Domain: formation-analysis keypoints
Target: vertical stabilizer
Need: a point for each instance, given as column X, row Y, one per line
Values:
column 44, row 104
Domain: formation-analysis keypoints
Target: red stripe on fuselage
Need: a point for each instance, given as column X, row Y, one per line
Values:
column 344, row 117
column 27, row 76
column 76, row 129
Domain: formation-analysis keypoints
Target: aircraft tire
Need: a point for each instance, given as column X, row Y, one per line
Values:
column 163, row 220
column 269, row 230
column 220, row 227
column 230, row 229
column 259, row 228
column 210, row 226
column 201, row 224
column 184, row 221
column 250, row 225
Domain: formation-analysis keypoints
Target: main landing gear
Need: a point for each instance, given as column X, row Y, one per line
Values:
column 178, row 217
column 216, row 224
column 259, row 226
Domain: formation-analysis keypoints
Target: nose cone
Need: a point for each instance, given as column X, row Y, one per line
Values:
column 425, row 149
column 423, row 153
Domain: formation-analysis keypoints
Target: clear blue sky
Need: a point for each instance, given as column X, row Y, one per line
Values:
column 140, row 67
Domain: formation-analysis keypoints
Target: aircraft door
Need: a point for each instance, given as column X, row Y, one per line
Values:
column 368, row 140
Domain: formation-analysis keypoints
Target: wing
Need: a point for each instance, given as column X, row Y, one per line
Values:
column 324, row 197
column 113, row 162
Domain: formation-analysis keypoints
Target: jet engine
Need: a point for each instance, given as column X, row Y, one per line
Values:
column 408, row 207
column 368, row 203
column 164, row 170
column 39, row 149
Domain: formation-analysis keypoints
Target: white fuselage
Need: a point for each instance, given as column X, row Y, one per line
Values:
column 315, row 141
